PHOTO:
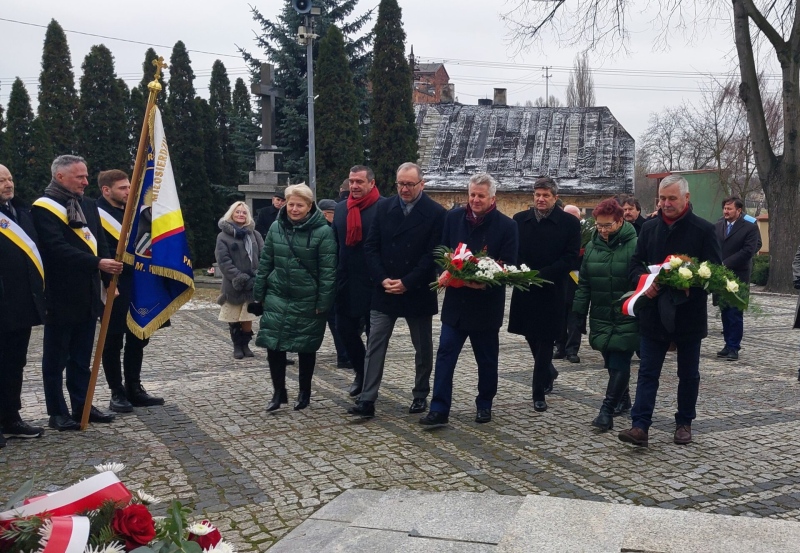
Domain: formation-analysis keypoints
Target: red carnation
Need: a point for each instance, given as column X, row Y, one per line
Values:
column 135, row 524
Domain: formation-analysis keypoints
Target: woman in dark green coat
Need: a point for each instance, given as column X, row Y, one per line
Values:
column 603, row 281
column 295, row 282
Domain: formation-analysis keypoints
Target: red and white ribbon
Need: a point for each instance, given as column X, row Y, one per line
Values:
column 462, row 252
column 70, row 534
column 645, row 281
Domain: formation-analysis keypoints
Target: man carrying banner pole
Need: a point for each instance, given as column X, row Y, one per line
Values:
column 158, row 250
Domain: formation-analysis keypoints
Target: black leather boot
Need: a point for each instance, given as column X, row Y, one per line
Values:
column 139, row 397
column 244, row 340
column 624, row 405
column 303, row 399
column 278, row 398
column 236, row 333
column 617, row 382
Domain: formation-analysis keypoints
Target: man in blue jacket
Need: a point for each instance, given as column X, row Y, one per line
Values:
column 473, row 311
column 399, row 255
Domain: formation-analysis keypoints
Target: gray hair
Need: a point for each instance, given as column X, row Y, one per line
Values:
column 683, row 184
column 410, row 165
column 548, row 183
column 62, row 162
column 484, row 179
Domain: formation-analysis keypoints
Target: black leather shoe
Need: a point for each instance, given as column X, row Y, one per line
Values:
column 363, row 409
column 63, row 422
column 573, row 358
column 119, row 402
column 357, row 385
column 559, row 354
column 733, row 355
column 278, row 398
column 140, row 398
column 483, row 415
column 96, row 415
column 418, row 405
column 21, row 429
column 303, row 399
column 290, row 361
column 344, row 364
column 723, row 352
column 540, row 406
column 434, row 419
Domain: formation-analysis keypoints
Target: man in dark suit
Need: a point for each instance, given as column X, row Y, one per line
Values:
column 74, row 252
column 116, row 187
column 473, row 311
column 21, row 305
column 632, row 212
column 550, row 242
column 352, row 220
column 740, row 240
column 673, row 316
column 267, row 215
column 399, row 255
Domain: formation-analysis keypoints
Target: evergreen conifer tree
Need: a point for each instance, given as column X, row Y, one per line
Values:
column 278, row 39
column 184, row 134
column 338, row 135
column 212, row 154
column 102, row 127
column 393, row 133
column 28, row 153
column 220, row 101
column 244, row 131
column 2, row 134
column 58, row 101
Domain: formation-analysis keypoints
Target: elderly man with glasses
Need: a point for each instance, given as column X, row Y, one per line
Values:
column 399, row 256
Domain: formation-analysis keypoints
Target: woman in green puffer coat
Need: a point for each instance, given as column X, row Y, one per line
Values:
column 603, row 281
column 295, row 283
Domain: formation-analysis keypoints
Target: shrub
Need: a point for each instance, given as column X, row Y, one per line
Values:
column 760, row 270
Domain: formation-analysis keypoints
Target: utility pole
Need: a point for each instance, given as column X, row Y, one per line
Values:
column 547, row 76
column 306, row 36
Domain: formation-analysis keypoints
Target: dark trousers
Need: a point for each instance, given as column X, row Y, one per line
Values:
column 652, row 354
column 131, row 361
column 277, row 369
column 350, row 329
column 13, row 357
column 542, row 351
column 618, row 361
column 485, row 347
column 341, row 353
column 67, row 346
column 732, row 327
column 570, row 340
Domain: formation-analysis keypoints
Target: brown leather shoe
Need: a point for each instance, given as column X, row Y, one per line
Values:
column 635, row 436
column 683, row 434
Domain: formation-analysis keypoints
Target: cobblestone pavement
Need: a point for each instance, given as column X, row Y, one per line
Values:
column 258, row 475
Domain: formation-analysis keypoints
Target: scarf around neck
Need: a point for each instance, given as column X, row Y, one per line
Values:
column 477, row 220
column 75, row 216
column 672, row 221
column 355, row 230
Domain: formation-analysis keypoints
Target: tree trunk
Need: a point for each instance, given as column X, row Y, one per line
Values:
column 783, row 202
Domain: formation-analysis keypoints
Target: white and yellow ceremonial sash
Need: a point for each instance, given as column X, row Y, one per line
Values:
column 60, row 211
column 110, row 225
column 20, row 238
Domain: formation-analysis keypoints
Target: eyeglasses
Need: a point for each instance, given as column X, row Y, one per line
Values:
column 605, row 226
column 408, row 185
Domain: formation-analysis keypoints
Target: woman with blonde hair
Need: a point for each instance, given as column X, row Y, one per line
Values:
column 295, row 283
column 237, row 252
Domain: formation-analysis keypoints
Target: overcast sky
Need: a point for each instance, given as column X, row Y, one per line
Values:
column 457, row 32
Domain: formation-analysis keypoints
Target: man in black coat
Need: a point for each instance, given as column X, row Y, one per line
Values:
column 671, row 316
column 352, row 220
column 740, row 240
column 474, row 312
column 550, row 242
column 267, row 215
column 21, row 305
column 74, row 252
column 116, row 187
column 399, row 255
column 632, row 212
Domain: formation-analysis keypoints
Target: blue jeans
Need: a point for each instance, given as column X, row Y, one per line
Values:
column 67, row 346
column 652, row 354
column 732, row 327
column 486, row 348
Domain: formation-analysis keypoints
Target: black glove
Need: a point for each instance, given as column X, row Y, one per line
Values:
column 256, row 308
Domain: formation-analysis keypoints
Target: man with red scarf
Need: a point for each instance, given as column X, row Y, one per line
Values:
column 473, row 311
column 671, row 316
column 352, row 220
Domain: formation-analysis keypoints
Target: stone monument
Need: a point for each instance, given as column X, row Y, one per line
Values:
column 268, row 177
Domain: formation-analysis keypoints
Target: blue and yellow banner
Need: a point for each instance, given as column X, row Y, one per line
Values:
column 157, row 247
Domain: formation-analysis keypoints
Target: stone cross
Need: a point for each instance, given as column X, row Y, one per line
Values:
column 267, row 91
